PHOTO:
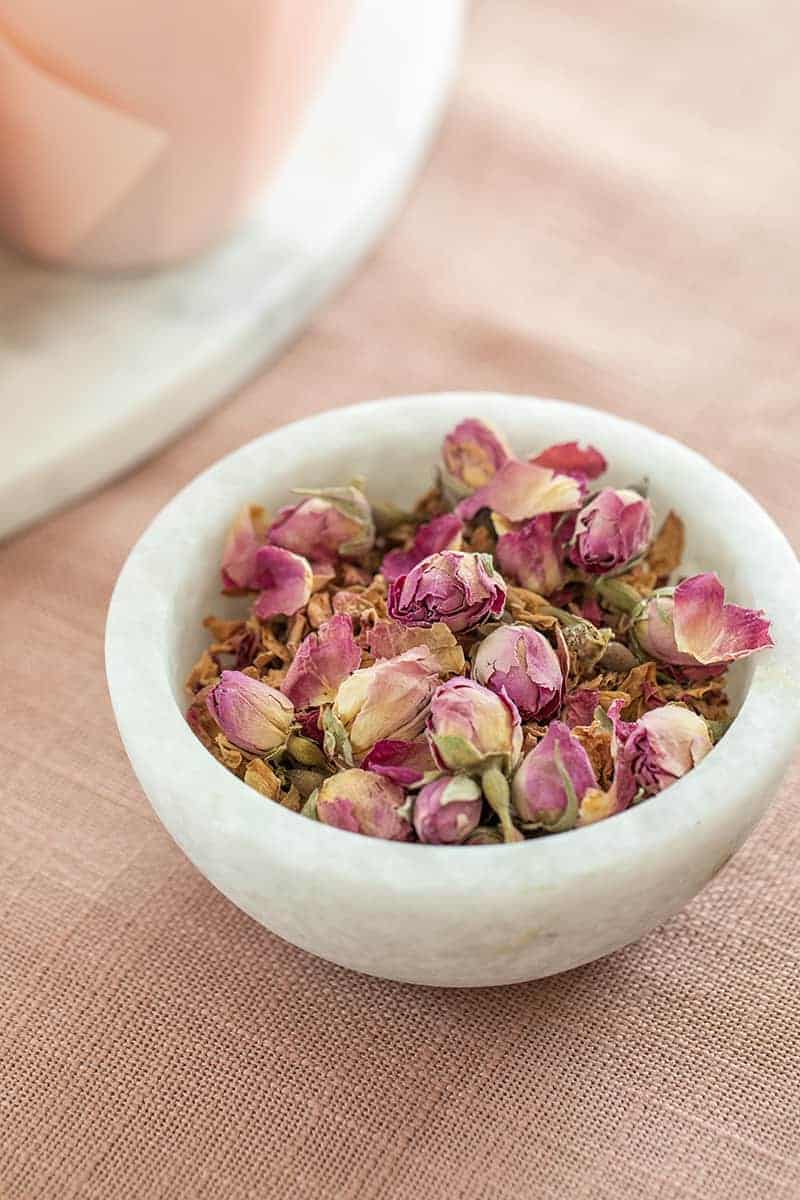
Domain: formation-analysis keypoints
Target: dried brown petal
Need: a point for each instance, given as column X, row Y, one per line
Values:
column 204, row 673
column 596, row 741
column 260, row 775
column 666, row 551
column 319, row 609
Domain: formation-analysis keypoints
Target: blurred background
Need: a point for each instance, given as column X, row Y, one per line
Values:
column 591, row 201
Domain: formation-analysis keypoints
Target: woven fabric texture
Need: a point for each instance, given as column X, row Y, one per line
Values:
column 610, row 216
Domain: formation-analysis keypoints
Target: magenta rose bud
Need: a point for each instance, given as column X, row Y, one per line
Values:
column 519, row 662
column 442, row 533
column 284, row 581
column 251, row 714
column 388, row 701
column 692, row 627
column 447, row 810
column 471, row 728
column 461, row 590
column 568, row 458
column 532, row 555
column 471, row 454
column 242, row 543
column 362, row 802
column 323, row 660
column 552, row 780
column 329, row 523
column 611, row 531
column 406, row 763
column 655, row 751
column 519, row 491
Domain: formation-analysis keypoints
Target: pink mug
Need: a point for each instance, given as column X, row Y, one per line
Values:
column 136, row 132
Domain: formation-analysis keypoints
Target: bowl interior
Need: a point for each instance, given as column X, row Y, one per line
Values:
column 396, row 452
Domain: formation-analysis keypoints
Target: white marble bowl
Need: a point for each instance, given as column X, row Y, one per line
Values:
column 449, row 916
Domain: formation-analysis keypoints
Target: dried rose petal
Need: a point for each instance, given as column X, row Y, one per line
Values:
column 362, row 802
column 532, row 555
column 551, row 780
column 692, row 626
column 309, row 724
column 406, row 763
column 387, row 639
column 252, row 715
column 461, row 590
column 611, row 531
column 448, row 810
column 387, row 701
column 471, row 453
column 579, row 706
column 330, row 523
column 242, row 543
column 471, row 727
column 442, row 533
column 520, row 491
column 655, row 751
column 519, row 662
column 323, row 660
column 568, row 458
column 284, row 581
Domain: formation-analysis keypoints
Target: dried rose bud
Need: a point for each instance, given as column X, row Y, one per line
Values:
column 471, row 728
column 612, row 530
column 284, row 581
column 323, row 660
column 251, row 714
column 691, row 626
column 362, row 802
column 406, row 763
column 330, row 523
column 447, row 810
column 533, row 555
column 387, row 701
column 520, row 491
column 552, row 779
column 471, row 453
column 519, row 662
column 242, row 543
column 569, row 458
column 655, row 751
column 461, row 590
column 442, row 533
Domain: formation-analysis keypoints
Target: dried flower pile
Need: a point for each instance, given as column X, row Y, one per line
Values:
column 505, row 660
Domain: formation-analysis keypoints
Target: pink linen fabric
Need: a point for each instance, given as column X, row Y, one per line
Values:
column 608, row 216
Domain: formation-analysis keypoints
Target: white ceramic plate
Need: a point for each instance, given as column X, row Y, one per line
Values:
column 96, row 373
column 440, row 914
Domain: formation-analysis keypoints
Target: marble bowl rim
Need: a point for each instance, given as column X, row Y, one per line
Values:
column 726, row 777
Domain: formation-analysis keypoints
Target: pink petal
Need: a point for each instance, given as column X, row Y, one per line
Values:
column 712, row 631
column 323, row 660
column 405, row 763
column 521, row 490
column 442, row 533
column 579, row 707
column 568, row 458
column 284, row 580
column 532, row 555
column 472, row 452
column 242, row 543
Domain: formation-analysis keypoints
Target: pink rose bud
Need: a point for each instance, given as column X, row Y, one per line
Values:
column 330, row 523
column 244, row 538
column 552, row 779
column 471, row 454
column 447, row 810
column 461, row 590
column 251, row 714
column 519, row 662
column 532, row 555
column 612, row 530
column 520, row 491
column 406, row 763
column 691, row 626
column 568, row 458
column 284, row 580
column 362, row 802
column 656, row 750
column 388, row 701
column 323, row 661
column 471, row 728
column 442, row 533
